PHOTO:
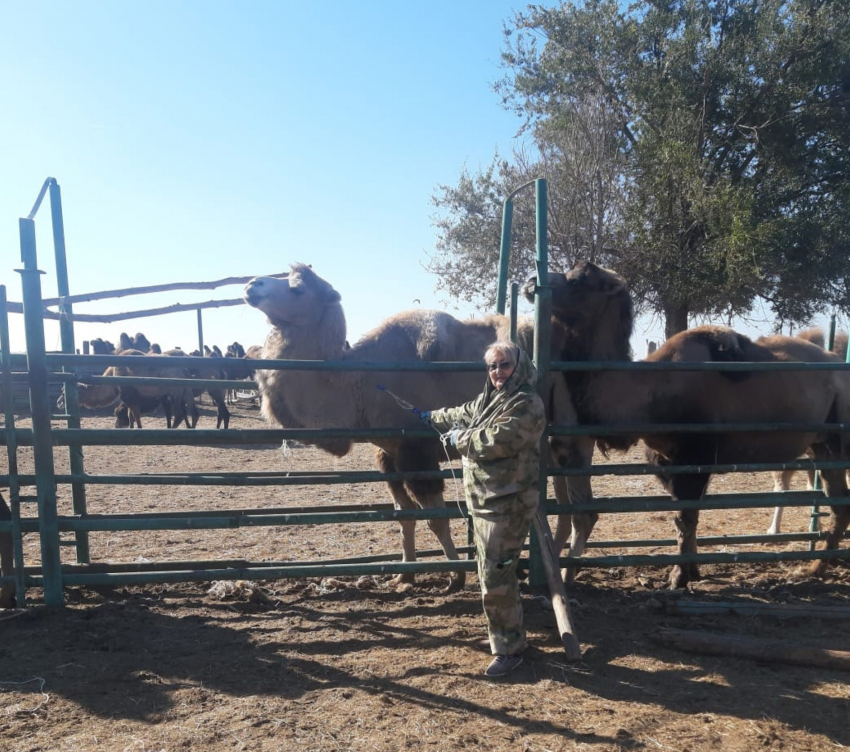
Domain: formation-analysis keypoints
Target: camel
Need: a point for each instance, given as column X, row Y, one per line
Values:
column 782, row 478
column 309, row 324
column 595, row 308
column 177, row 402
column 7, row 562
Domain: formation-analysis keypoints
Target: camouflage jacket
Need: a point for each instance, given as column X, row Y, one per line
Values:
column 499, row 440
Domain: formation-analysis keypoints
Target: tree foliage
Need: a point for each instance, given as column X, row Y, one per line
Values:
column 698, row 147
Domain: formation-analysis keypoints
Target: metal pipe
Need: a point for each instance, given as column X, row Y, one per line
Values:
column 66, row 333
column 504, row 253
column 514, row 312
column 40, row 408
column 12, row 451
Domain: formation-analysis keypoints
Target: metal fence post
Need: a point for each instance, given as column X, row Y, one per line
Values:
column 66, row 333
column 40, row 407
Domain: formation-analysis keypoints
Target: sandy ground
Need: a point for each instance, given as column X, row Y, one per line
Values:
column 331, row 664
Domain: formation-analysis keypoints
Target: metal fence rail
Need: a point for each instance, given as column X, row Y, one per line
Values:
column 40, row 371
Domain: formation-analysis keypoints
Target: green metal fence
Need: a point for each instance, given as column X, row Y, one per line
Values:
column 39, row 369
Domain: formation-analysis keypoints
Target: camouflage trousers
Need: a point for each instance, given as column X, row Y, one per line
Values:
column 498, row 541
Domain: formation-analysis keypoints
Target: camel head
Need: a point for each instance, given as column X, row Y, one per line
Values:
column 299, row 299
column 583, row 292
column 592, row 302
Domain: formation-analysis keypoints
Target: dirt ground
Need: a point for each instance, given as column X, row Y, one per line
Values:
column 353, row 664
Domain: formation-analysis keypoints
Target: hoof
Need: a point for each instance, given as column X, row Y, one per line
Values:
column 402, row 579
column 678, row 578
column 818, row 567
column 569, row 575
column 457, row 581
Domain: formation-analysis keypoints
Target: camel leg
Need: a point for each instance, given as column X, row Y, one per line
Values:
column 173, row 410
column 401, row 500
column 683, row 488
column 564, row 527
column 222, row 419
column 122, row 416
column 840, row 522
column 835, row 486
column 7, row 562
column 686, row 521
column 573, row 453
column 781, row 482
column 427, row 494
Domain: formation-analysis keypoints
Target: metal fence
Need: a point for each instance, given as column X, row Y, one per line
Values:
column 40, row 372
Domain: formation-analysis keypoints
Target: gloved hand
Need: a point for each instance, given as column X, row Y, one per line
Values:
column 453, row 437
column 425, row 416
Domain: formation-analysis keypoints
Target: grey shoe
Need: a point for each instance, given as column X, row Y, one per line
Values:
column 503, row 664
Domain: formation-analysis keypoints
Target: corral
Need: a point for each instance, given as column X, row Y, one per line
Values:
column 324, row 662
column 351, row 664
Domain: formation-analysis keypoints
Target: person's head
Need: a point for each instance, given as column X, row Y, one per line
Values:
column 500, row 359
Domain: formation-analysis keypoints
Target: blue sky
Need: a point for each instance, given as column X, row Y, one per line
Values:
column 200, row 140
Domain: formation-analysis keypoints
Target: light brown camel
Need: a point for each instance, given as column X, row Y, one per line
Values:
column 782, row 478
column 7, row 562
column 309, row 324
column 595, row 308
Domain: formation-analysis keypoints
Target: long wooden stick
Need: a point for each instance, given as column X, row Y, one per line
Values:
column 777, row 610
column 572, row 649
column 753, row 648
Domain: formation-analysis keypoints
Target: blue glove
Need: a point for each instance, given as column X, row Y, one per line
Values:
column 425, row 417
column 453, row 437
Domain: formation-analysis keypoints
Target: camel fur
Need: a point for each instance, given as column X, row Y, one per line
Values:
column 594, row 306
column 309, row 324
column 782, row 478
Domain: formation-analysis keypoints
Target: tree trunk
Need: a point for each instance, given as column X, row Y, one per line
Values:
column 675, row 319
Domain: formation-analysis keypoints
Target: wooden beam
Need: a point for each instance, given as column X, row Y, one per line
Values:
column 753, row 648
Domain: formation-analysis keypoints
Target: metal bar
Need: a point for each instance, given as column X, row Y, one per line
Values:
column 40, row 408
column 712, row 501
column 514, row 311
column 747, row 467
column 505, row 253
column 189, row 361
column 62, row 359
column 342, row 570
column 11, row 451
column 641, row 429
column 66, row 334
column 542, row 357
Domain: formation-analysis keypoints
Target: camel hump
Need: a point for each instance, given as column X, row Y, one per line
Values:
column 716, row 344
column 420, row 334
column 814, row 335
column 726, row 345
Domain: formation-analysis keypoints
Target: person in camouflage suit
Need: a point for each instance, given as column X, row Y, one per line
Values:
column 498, row 436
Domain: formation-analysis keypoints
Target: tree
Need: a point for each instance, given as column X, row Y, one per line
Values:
column 730, row 121
column 578, row 156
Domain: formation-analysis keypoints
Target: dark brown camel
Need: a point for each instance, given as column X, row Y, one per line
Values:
column 595, row 309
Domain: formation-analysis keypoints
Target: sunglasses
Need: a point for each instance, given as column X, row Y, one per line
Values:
column 503, row 366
